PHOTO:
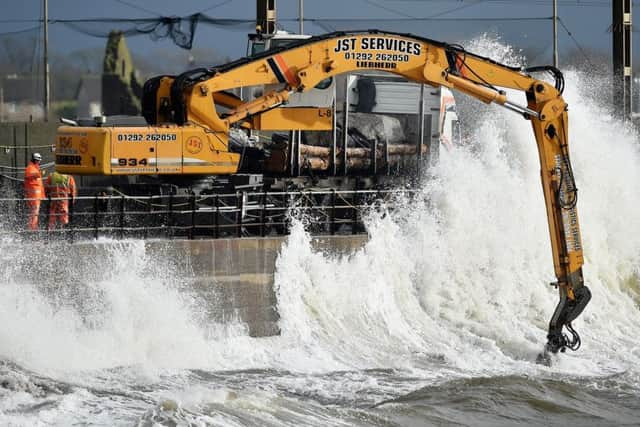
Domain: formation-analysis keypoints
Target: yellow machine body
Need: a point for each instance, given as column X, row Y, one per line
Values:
column 147, row 150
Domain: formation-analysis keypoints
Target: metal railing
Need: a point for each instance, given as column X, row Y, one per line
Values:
column 191, row 216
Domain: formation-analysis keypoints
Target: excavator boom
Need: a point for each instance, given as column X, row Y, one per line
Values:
column 193, row 100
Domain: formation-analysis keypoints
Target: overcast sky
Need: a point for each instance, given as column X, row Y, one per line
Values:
column 588, row 20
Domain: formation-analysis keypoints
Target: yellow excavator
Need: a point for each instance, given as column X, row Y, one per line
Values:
column 190, row 116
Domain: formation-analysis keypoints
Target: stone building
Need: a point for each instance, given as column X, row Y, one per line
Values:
column 121, row 89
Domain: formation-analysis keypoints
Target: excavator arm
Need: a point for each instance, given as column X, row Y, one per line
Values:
column 300, row 67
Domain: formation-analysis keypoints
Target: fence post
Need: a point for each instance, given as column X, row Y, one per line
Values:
column 70, row 225
column 170, row 216
column 192, row 204
column 355, row 212
column 285, row 220
column 240, row 204
column 148, row 219
column 48, row 216
column 217, row 217
column 26, row 143
column 21, row 212
column 263, row 214
column 95, row 217
column 332, row 225
column 15, row 146
column 122, row 217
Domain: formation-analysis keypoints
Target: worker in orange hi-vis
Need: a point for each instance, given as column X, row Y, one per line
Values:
column 33, row 190
column 60, row 189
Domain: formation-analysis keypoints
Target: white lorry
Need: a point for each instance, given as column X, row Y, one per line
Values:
column 374, row 104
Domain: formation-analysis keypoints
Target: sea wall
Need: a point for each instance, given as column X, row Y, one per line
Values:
column 234, row 278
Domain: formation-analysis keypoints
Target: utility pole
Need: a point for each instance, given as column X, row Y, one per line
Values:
column 300, row 15
column 622, row 60
column 555, row 33
column 46, row 60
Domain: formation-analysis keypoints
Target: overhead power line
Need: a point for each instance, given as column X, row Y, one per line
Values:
column 568, row 3
column 231, row 21
column 388, row 9
column 26, row 30
column 455, row 9
column 427, row 18
column 214, row 6
column 182, row 29
column 142, row 9
column 584, row 53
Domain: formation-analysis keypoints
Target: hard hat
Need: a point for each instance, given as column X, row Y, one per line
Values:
column 36, row 157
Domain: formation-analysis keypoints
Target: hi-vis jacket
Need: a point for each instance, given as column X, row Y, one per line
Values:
column 61, row 186
column 33, row 187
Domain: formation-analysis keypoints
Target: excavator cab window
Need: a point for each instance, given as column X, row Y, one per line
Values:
column 276, row 43
column 260, row 45
column 257, row 47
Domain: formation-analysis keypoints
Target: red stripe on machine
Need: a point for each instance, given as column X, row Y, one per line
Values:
column 286, row 71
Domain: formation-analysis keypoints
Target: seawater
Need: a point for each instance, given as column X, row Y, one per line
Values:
column 435, row 321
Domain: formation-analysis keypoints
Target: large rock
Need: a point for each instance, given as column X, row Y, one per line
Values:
column 378, row 127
